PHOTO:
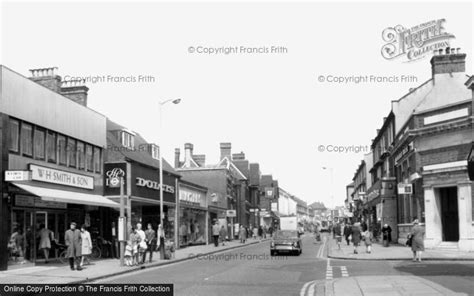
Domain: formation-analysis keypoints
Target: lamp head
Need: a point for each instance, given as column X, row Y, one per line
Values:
column 176, row 101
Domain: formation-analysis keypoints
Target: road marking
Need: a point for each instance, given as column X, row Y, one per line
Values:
column 320, row 253
column 303, row 290
column 344, row 271
column 329, row 270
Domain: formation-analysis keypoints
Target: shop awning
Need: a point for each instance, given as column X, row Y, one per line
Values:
column 68, row 196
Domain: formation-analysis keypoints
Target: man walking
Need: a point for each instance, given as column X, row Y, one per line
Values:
column 215, row 233
column 73, row 242
column 347, row 233
column 150, row 239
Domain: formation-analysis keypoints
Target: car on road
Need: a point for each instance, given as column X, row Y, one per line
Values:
column 286, row 241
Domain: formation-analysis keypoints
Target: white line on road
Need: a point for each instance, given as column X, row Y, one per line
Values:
column 303, row 290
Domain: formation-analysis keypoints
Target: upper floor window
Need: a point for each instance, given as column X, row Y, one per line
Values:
column 81, row 157
column 89, row 160
column 62, row 150
column 51, row 151
column 14, row 140
column 71, row 152
column 39, row 143
column 26, row 139
column 128, row 140
column 97, row 160
column 155, row 151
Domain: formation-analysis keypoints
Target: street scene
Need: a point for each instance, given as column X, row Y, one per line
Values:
column 175, row 148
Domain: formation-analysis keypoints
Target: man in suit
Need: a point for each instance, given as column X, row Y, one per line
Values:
column 73, row 243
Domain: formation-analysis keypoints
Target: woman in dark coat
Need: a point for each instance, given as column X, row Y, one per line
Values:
column 417, row 244
column 347, row 233
column 356, row 236
column 386, row 234
column 74, row 246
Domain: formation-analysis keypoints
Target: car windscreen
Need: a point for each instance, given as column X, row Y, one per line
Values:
column 286, row 234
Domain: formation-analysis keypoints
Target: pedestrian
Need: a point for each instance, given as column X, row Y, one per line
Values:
column 265, row 230
column 142, row 246
column 73, row 242
column 215, row 233
column 150, row 239
column 417, row 245
column 45, row 236
column 356, row 236
column 255, row 232
column 338, row 229
column 347, row 232
column 368, row 237
column 128, row 254
column 270, row 231
column 242, row 234
column 260, row 232
column 223, row 235
column 134, row 242
column 317, row 234
column 86, row 245
column 386, row 235
column 364, row 226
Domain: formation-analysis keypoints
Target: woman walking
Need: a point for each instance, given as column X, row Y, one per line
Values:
column 368, row 237
column 417, row 245
column 356, row 236
column 386, row 235
column 223, row 235
column 242, row 234
column 135, row 241
column 45, row 236
column 86, row 247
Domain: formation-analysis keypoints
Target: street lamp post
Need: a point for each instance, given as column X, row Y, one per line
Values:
column 162, row 234
column 331, row 170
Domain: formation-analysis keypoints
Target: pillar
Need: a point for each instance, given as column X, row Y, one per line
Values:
column 466, row 235
column 433, row 226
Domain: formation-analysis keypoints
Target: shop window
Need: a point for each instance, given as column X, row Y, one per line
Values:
column 62, row 150
column 26, row 139
column 71, row 152
column 97, row 160
column 14, row 141
column 39, row 143
column 51, row 146
column 80, row 155
column 89, row 158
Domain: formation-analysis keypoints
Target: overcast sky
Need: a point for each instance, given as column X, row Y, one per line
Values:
column 271, row 106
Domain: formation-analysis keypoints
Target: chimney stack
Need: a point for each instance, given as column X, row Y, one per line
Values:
column 452, row 61
column 177, row 153
column 226, row 150
column 238, row 156
column 188, row 152
column 75, row 90
column 47, row 77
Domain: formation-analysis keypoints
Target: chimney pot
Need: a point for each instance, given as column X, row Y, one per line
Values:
column 458, row 50
column 448, row 50
column 177, row 153
column 440, row 51
column 435, row 52
column 453, row 50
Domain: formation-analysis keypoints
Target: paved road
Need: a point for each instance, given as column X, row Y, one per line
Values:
column 252, row 271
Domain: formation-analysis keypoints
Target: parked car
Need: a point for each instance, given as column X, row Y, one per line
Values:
column 286, row 241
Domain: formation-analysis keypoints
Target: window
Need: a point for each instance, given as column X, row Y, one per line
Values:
column 155, row 151
column 89, row 163
column 14, row 135
column 71, row 152
column 62, row 150
column 51, row 146
column 97, row 160
column 26, row 139
column 80, row 155
column 39, row 146
column 128, row 140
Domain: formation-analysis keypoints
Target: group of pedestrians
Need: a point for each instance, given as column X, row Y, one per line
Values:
column 220, row 234
column 79, row 245
column 142, row 242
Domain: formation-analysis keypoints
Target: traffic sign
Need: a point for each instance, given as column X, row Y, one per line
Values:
column 114, row 182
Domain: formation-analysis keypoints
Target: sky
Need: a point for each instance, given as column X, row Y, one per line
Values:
column 249, row 73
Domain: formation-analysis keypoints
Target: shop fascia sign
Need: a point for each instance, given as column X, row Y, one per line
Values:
column 50, row 175
column 142, row 182
column 17, row 175
column 190, row 196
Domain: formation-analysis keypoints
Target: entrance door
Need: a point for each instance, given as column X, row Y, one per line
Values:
column 449, row 213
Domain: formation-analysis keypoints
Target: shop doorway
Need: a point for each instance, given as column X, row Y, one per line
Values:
column 449, row 213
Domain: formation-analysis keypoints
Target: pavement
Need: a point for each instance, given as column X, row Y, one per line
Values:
column 57, row 273
column 393, row 252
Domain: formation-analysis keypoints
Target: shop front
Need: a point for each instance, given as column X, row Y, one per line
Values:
column 46, row 200
column 142, row 195
column 193, row 222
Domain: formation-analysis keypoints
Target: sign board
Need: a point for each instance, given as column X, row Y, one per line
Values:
column 121, row 229
column 191, row 196
column 50, row 175
column 17, row 175
column 114, row 182
column 274, row 206
column 405, row 188
column 269, row 192
column 37, row 202
column 231, row 213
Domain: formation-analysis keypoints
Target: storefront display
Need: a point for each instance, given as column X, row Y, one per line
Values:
column 193, row 214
